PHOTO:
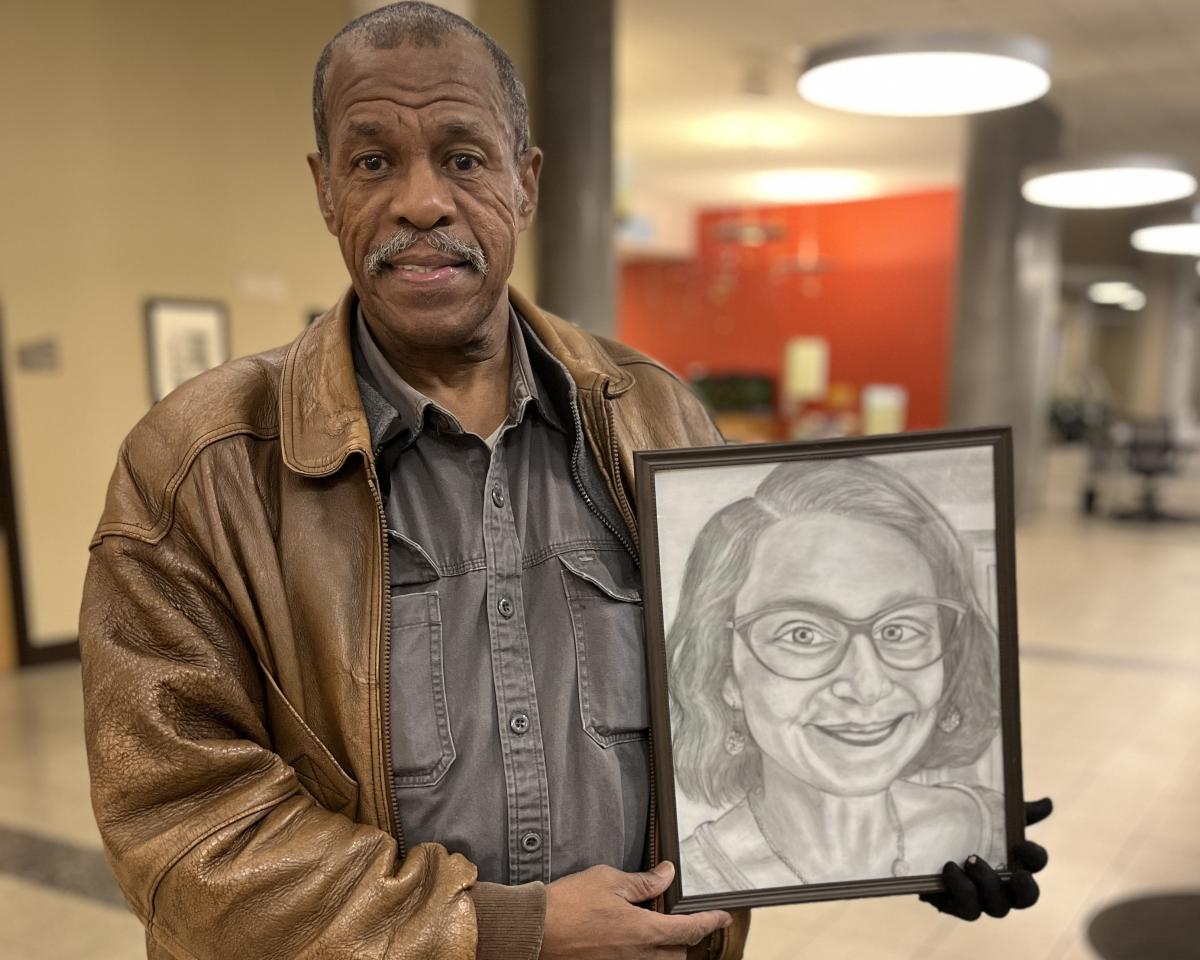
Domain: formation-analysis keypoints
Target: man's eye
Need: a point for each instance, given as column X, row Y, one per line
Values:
column 464, row 162
column 372, row 163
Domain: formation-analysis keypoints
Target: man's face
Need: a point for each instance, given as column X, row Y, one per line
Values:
column 420, row 148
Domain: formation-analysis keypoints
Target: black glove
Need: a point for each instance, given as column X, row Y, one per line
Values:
column 975, row 888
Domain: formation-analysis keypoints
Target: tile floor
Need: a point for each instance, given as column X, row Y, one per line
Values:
column 1110, row 677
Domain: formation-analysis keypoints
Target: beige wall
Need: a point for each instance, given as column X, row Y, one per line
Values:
column 150, row 149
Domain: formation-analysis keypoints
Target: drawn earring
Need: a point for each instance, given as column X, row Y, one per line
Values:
column 735, row 739
column 951, row 720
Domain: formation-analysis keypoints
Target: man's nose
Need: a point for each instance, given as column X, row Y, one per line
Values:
column 422, row 197
column 861, row 676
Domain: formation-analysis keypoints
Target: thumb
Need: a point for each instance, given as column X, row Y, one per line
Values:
column 649, row 884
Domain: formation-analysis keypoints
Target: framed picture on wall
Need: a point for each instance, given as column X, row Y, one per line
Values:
column 832, row 653
column 184, row 338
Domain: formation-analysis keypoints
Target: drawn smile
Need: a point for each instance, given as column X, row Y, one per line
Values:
column 861, row 734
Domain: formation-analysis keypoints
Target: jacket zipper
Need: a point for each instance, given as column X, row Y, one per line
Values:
column 615, row 466
column 614, row 456
column 385, row 649
column 587, row 498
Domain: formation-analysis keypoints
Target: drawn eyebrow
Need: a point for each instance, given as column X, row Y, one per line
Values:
column 887, row 601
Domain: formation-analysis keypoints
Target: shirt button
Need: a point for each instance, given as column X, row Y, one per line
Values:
column 532, row 842
column 497, row 497
column 505, row 606
column 519, row 723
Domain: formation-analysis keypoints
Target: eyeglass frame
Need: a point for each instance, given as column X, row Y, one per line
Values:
column 857, row 627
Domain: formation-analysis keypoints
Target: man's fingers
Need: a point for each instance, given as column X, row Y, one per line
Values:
column 992, row 895
column 638, row 887
column 687, row 930
column 1030, row 855
column 1023, row 890
column 1038, row 810
column 963, row 897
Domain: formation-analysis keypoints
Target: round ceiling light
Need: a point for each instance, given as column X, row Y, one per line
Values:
column 1136, row 301
column 927, row 74
column 1107, row 183
column 1179, row 239
column 1111, row 292
column 1117, row 293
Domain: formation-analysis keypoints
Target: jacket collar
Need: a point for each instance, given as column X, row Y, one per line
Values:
column 321, row 410
column 585, row 359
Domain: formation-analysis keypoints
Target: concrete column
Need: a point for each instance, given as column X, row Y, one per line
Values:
column 1163, row 348
column 576, row 258
column 1002, row 368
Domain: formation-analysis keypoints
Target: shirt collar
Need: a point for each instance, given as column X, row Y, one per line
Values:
column 393, row 406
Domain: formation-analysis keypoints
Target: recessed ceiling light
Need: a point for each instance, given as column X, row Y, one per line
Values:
column 809, row 185
column 1180, row 239
column 927, row 74
column 1106, row 183
column 1111, row 292
column 1136, row 301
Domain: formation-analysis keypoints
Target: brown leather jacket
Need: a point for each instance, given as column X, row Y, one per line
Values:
column 235, row 656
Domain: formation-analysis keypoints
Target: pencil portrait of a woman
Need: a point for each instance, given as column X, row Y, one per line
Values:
column 829, row 653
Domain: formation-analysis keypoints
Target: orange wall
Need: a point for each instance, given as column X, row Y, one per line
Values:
column 884, row 300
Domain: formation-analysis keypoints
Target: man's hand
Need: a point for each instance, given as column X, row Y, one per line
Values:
column 975, row 889
column 591, row 914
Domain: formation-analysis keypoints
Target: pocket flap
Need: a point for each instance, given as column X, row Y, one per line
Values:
column 592, row 567
column 409, row 563
column 315, row 766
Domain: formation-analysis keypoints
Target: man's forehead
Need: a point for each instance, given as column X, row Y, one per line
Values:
column 459, row 68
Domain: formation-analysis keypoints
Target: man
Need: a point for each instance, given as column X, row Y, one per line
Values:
column 360, row 632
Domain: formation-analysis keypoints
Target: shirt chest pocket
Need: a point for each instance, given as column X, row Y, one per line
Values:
column 605, row 607
column 422, row 738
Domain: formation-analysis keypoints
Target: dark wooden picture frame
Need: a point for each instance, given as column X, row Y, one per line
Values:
column 210, row 316
column 1000, row 623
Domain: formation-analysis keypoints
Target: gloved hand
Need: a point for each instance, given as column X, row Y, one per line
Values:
column 975, row 888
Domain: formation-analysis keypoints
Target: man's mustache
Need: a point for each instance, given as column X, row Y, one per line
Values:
column 378, row 258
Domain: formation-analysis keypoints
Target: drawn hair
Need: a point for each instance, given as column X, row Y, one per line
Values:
column 699, row 648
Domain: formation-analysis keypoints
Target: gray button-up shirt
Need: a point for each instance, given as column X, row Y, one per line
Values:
column 518, row 691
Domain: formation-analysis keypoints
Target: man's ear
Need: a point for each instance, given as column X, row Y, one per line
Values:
column 530, row 172
column 320, row 173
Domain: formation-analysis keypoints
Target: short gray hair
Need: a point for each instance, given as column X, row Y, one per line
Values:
column 423, row 25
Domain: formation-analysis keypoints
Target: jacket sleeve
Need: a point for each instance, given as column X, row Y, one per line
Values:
column 218, row 848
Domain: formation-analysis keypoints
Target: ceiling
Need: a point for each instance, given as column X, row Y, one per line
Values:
column 706, row 89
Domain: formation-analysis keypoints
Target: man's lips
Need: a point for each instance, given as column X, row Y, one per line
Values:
column 426, row 270
column 421, row 264
column 861, row 734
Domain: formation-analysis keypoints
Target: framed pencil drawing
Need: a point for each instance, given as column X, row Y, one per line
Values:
column 831, row 646
column 183, row 338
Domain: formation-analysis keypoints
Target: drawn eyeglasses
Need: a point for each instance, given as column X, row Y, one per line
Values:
column 804, row 641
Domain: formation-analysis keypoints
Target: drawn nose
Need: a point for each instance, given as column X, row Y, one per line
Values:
column 861, row 676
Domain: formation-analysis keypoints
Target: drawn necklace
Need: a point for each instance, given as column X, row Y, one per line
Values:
column 900, row 866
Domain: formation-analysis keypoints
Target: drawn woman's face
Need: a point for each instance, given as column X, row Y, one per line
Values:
column 852, row 729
